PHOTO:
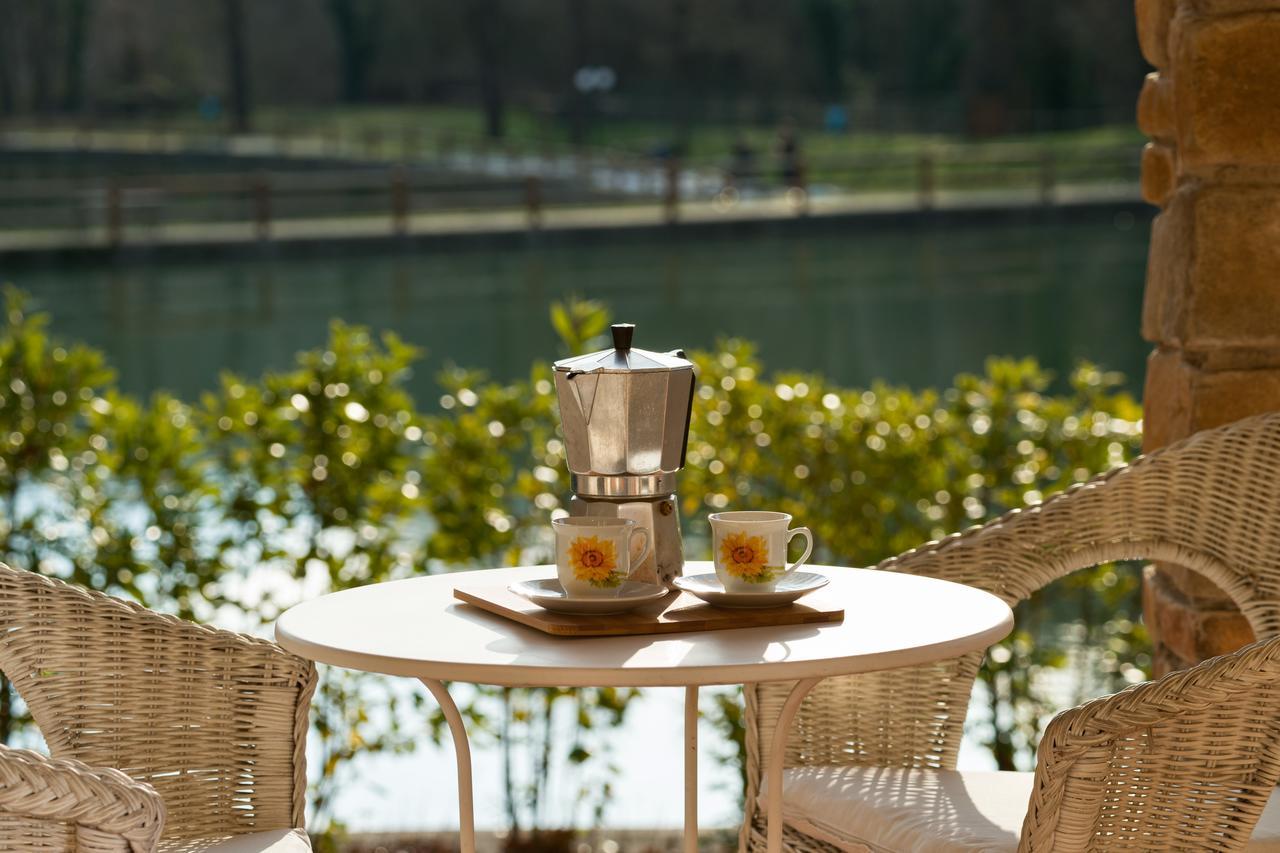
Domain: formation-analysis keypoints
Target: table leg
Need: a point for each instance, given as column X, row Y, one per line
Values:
column 462, row 754
column 691, row 769
column 777, row 758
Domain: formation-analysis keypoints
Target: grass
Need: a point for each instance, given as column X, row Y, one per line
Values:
column 707, row 143
column 874, row 162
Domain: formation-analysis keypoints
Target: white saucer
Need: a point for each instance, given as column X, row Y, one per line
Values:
column 791, row 587
column 549, row 594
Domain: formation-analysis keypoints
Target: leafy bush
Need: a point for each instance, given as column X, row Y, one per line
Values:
column 328, row 476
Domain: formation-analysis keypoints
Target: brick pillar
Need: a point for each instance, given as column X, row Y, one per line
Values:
column 1212, row 302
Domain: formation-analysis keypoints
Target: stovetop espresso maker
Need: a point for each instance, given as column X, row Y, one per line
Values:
column 625, row 414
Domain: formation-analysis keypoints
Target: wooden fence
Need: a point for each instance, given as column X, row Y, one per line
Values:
column 448, row 185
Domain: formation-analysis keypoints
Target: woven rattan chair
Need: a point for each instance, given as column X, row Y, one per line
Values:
column 1210, row 503
column 205, row 729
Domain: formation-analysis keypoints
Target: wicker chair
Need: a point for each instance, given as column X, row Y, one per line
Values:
column 1208, row 503
column 205, row 729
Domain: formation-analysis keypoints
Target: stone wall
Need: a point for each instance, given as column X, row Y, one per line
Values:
column 1212, row 303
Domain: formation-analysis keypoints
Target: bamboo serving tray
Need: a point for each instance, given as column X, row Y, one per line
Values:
column 678, row 613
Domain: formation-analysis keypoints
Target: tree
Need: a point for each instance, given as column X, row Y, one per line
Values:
column 356, row 24
column 77, row 26
column 579, row 102
column 483, row 24
column 8, row 18
column 239, row 94
column 826, row 21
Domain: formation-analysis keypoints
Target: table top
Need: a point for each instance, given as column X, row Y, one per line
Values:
column 415, row 627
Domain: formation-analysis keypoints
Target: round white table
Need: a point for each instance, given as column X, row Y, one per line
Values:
column 416, row 628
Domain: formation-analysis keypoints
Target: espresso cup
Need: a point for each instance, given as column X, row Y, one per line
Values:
column 750, row 549
column 594, row 555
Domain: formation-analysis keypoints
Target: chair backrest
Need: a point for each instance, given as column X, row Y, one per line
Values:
column 1187, row 762
column 215, row 721
column 1210, row 503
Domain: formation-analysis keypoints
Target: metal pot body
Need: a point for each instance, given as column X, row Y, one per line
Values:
column 634, row 423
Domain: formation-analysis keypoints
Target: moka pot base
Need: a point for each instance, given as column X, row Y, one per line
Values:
column 660, row 515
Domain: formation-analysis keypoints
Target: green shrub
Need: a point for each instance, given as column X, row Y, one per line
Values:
column 329, row 475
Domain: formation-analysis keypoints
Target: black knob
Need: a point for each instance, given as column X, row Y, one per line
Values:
column 622, row 333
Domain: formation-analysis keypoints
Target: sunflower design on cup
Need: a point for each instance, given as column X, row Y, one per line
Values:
column 594, row 559
column 747, row 557
column 750, row 548
column 595, row 555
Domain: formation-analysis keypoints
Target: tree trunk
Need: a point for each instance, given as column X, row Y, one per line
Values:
column 1002, row 743
column 8, row 20
column 682, row 84
column 73, row 71
column 238, row 93
column 6, row 710
column 483, row 23
column 41, row 56
column 579, row 102
column 355, row 23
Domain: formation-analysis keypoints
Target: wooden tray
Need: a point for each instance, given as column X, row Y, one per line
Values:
column 677, row 613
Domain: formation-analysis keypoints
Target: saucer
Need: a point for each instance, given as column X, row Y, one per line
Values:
column 788, row 589
column 549, row 594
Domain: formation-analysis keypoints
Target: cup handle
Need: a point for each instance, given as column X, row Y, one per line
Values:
column 648, row 546
column 808, row 547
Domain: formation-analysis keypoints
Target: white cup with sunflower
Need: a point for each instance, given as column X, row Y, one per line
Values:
column 594, row 554
column 750, row 549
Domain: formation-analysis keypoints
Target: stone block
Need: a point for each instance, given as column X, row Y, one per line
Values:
column 1168, row 269
column 1169, row 618
column 1222, row 396
column 1197, row 589
column 1226, row 76
column 1166, row 399
column 1185, row 631
column 1155, row 107
column 1153, row 19
column 1234, row 281
column 1164, row 662
column 1208, row 8
column 1237, row 358
column 1213, row 271
column 1180, row 398
column 1222, row 632
column 1159, row 173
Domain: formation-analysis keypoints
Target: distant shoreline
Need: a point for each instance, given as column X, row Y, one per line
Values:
column 570, row 230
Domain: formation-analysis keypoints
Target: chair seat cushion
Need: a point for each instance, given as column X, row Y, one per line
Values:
column 929, row 811
column 274, row 841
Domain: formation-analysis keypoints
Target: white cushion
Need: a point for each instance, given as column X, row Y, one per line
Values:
column 274, row 841
column 929, row 811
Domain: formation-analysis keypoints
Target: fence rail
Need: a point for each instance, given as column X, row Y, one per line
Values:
column 449, row 188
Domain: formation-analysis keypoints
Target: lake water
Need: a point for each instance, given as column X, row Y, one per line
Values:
column 914, row 304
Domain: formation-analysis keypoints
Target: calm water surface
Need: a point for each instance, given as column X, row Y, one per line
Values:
column 913, row 305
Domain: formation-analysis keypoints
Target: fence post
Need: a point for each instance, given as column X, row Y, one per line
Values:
column 262, row 207
column 1048, row 177
column 115, row 216
column 399, row 200
column 533, row 200
column 671, row 196
column 927, row 181
column 798, row 192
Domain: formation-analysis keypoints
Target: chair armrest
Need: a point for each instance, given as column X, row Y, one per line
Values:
column 1196, row 750
column 213, row 720
column 107, row 809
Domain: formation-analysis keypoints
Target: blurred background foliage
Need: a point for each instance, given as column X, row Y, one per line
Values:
column 329, row 475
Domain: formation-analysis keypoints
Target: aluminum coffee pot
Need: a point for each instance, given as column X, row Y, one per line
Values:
column 625, row 415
